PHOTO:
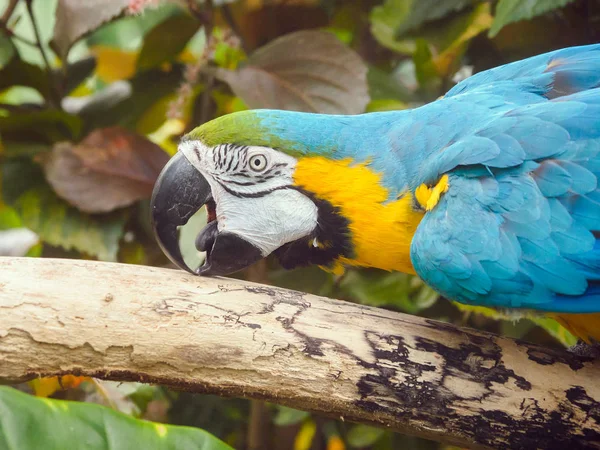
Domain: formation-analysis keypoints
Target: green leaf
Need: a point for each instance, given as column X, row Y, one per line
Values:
column 141, row 394
column 440, row 50
column 60, row 225
column 22, row 95
column 424, row 68
column 387, row 86
column 156, row 115
column 361, row 436
column 516, row 329
column 127, row 33
column 166, row 40
column 35, row 251
column 47, row 125
column 20, row 73
column 18, row 176
column 16, row 240
column 422, row 296
column 225, row 55
column 7, row 50
column 393, row 19
column 307, row 70
column 385, row 105
column 78, row 72
column 9, row 218
column 289, row 416
column 17, row 148
column 378, row 288
column 25, row 189
column 27, row 422
column 309, row 279
column 21, row 25
column 142, row 92
column 509, row 11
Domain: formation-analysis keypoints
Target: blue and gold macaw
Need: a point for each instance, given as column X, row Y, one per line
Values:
column 489, row 194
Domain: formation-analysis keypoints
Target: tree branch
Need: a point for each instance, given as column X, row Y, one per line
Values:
column 17, row 37
column 204, row 14
column 8, row 12
column 56, row 93
column 233, row 338
column 10, row 8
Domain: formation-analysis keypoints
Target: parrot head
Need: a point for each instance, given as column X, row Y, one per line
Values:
column 273, row 182
column 255, row 205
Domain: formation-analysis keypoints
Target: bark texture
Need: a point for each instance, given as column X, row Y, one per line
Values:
column 234, row 338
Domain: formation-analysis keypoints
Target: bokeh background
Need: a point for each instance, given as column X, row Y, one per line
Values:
column 94, row 96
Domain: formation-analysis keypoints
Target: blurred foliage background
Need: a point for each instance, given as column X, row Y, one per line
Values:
column 93, row 98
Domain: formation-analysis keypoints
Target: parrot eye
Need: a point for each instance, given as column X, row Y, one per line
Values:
column 258, row 163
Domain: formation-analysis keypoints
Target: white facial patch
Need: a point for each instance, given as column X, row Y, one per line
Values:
column 250, row 186
column 270, row 221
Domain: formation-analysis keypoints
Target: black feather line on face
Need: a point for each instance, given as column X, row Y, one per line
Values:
column 228, row 189
column 231, row 160
column 332, row 232
column 242, row 183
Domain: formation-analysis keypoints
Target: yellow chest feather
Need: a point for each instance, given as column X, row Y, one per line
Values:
column 381, row 232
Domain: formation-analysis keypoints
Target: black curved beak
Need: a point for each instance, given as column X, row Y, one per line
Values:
column 179, row 192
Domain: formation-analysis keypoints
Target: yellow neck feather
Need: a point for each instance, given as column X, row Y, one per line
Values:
column 381, row 232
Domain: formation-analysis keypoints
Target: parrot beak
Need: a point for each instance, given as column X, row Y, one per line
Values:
column 179, row 192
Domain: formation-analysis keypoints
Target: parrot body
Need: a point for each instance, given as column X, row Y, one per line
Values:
column 489, row 194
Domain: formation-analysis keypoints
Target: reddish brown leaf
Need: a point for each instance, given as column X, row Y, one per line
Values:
column 262, row 21
column 77, row 18
column 304, row 71
column 111, row 168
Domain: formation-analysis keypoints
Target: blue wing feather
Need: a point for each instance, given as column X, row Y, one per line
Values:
column 557, row 73
column 519, row 223
column 521, row 146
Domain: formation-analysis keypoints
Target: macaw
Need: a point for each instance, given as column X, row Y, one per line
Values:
column 489, row 194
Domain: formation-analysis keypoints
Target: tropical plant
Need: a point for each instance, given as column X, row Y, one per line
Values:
column 93, row 99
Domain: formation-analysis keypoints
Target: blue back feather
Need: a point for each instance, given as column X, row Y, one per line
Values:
column 542, row 195
column 521, row 146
